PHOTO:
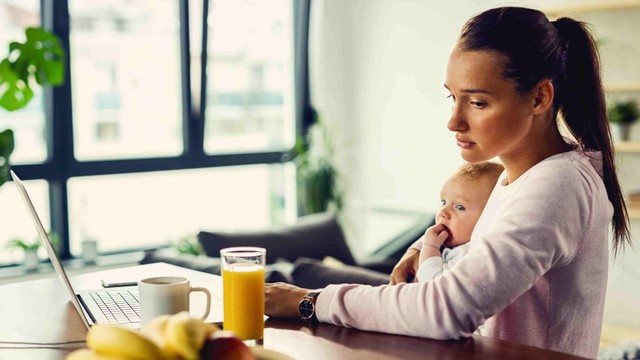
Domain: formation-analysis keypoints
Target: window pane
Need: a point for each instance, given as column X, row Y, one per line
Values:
column 125, row 64
column 250, row 102
column 28, row 124
column 15, row 220
column 142, row 210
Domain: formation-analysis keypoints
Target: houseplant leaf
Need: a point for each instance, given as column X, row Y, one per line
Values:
column 625, row 112
column 39, row 59
column 17, row 93
column 7, row 144
column 40, row 56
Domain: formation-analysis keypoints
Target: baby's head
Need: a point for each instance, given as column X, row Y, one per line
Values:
column 463, row 198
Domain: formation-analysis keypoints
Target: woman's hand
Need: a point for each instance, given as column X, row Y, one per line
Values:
column 406, row 267
column 281, row 300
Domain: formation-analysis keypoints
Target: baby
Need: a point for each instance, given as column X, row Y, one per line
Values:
column 463, row 198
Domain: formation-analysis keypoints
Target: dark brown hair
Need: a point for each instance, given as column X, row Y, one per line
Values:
column 564, row 52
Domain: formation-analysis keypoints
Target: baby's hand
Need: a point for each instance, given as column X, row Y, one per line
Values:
column 432, row 240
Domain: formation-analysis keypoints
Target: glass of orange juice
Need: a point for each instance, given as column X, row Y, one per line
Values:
column 243, row 291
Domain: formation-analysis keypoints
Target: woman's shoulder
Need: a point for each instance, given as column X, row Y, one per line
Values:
column 575, row 165
column 574, row 172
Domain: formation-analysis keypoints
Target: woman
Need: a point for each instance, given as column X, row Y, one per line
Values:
column 536, row 270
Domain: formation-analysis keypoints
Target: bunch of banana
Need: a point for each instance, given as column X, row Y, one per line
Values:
column 179, row 335
column 168, row 337
column 114, row 342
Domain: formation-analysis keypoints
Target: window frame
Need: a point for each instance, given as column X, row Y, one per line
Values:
column 61, row 164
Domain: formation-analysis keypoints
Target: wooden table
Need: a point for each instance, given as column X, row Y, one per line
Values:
column 39, row 311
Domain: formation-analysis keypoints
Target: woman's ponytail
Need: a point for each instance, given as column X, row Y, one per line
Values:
column 580, row 100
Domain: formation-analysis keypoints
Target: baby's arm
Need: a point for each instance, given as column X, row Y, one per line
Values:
column 430, row 256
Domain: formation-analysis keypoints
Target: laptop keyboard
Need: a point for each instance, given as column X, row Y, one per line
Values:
column 119, row 307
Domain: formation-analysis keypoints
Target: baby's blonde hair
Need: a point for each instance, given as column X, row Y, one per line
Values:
column 474, row 171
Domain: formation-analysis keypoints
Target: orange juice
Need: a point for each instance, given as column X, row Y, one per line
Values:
column 243, row 301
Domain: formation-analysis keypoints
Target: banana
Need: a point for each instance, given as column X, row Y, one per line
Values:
column 154, row 330
column 88, row 354
column 209, row 329
column 184, row 335
column 114, row 340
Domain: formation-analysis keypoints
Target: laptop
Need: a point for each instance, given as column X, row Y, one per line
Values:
column 103, row 306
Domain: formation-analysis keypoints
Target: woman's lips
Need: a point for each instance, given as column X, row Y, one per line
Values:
column 464, row 144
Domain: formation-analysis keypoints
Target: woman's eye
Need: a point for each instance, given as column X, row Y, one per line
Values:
column 460, row 208
column 450, row 96
column 479, row 104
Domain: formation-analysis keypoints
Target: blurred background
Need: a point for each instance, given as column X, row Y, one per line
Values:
column 183, row 115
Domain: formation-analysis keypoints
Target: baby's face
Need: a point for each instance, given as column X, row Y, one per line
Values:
column 462, row 203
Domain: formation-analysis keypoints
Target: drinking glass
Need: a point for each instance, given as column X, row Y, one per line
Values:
column 243, row 286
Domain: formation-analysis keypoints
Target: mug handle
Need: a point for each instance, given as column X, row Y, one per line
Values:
column 208, row 308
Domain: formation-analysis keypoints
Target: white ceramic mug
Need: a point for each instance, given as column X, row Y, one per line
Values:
column 167, row 295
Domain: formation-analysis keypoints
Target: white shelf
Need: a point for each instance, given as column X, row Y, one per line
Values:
column 622, row 87
column 599, row 6
column 634, row 212
column 628, row 146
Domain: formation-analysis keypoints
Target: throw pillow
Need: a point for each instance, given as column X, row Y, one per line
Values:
column 313, row 236
column 312, row 274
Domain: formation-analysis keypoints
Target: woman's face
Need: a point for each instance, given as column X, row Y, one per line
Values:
column 489, row 118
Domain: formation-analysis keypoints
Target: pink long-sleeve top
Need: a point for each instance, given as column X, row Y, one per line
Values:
column 535, row 273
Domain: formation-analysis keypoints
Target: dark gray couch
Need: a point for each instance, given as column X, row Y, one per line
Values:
column 295, row 252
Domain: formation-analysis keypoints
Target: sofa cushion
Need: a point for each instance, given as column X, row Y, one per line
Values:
column 279, row 271
column 313, row 274
column 313, row 236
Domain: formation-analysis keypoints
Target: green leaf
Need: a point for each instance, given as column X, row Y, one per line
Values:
column 623, row 112
column 21, row 244
column 40, row 58
column 16, row 96
column 7, row 144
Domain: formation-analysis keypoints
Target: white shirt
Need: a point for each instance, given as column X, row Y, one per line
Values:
column 431, row 268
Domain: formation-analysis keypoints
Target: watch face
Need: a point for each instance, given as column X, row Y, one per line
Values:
column 306, row 309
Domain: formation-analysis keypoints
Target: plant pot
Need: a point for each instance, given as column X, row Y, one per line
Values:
column 623, row 131
column 31, row 260
column 89, row 251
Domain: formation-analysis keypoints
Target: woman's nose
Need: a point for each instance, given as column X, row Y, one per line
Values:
column 456, row 122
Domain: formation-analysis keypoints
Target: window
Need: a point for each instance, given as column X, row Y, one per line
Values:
column 163, row 207
column 136, row 159
column 16, row 222
column 27, row 124
column 250, row 85
column 130, row 105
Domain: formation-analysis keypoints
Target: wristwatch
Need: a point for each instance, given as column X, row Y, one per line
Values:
column 307, row 307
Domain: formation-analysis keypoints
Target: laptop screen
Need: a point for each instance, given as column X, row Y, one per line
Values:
column 44, row 237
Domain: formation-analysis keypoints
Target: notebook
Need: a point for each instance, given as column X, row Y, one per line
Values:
column 103, row 306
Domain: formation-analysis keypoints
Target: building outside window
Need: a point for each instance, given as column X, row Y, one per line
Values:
column 148, row 167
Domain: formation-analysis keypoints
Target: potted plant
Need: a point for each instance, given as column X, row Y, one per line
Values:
column 30, row 250
column 623, row 114
column 316, row 174
column 37, row 61
column 188, row 245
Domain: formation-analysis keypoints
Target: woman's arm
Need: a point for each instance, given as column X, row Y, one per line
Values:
column 539, row 228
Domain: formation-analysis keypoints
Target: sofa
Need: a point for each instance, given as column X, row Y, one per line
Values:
column 312, row 253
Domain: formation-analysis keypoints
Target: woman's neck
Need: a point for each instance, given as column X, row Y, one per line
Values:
column 537, row 148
